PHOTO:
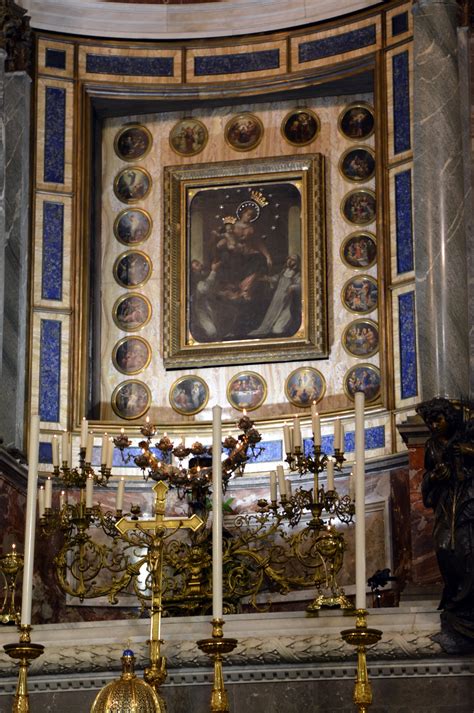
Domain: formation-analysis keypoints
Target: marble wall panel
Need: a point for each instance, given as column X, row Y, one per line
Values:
column 54, row 135
column 56, row 58
column 329, row 142
column 52, row 258
column 255, row 61
column 398, row 23
column 140, row 66
column 399, row 72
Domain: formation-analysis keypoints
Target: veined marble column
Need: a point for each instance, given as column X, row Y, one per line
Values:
column 440, row 239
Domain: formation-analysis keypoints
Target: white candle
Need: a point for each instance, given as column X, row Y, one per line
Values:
column 110, row 453
column 316, row 424
column 330, row 474
column 351, row 486
column 104, row 449
column 273, row 486
column 120, row 493
column 337, row 435
column 48, row 494
column 41, row 504
column 55, row 447
column 89, row 491
column 62, row 499
column 296, row 433
column 65, row 447
column 360, row 501
column 216, row 513
column 286, row 438
column 89, row 447
column 281, row 481
column 289, row 491
column 29, row 546
column 84, row 430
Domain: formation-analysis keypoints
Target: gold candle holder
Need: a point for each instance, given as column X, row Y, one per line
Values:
column 216, row 648
column 24, row 652
column 10, row 565
column 361, row 636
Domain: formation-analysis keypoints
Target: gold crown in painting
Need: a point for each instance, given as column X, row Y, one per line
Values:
column 259, row 198
column 229, row 219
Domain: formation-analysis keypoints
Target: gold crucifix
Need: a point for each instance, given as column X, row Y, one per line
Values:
column 154, row 532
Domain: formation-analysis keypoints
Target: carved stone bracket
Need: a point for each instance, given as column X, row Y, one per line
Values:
column 16, row 37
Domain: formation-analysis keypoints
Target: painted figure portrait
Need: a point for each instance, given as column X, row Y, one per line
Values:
column 244, row 132
column 363, row 377
column 131, row 355
column 357, row 164
column 133, row 142
column 132, row 185
column 359, row 207
column 132, row 226
column 300, row 127
column 360, row 294
column 305, row 385
column 131, row 312
column 361, row 338
column 359, row 250
column 131, row 399
column 188, row 137
column 246, row 390
column 132, row 268
column 189, row 395
column 244, row 275
column 357, row 121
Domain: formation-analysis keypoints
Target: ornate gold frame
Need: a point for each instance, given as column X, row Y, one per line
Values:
column 300, row 110
column 137, row 210
column 117, row 347
column 365, row 365
column 310, row 341
column 125, row 128
column 231, row 121
column 113, row 400
column 138, row 284
column 247, row 408
column 138, row 169
column 364, row 105
column 358, row 233
column 351, row 324
column 119, row 301
column 301, row 368
column 360, row 147
column 360, row 277
column 193, row 153
column 179, row 381
column 369, row 192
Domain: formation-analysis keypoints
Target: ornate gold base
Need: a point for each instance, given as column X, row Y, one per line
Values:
column 25, row 652
column 155, row 675
column 361, row 636
column 216, row 648
column 331, row 601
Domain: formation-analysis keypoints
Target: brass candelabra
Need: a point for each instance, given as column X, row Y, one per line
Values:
column 362, row 637
column 216, row 647
column 10, row 565
column 24, row 652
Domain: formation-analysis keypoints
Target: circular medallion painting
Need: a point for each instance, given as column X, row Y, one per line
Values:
column 359, row 207
column 361, row 338
column 188, row 137
column 359, row 250
column 132, row 142
column 243, row 132
column 132, row 184
column 131, row 312
column 363, row 377
column 189, row 395
column 357, row 121
column 131, row 399
column 305, row 385
column 132, row 268
column 358, row 164
column 131, row 355
column 300, row 127
column 246, row 390
column 360, row 294
column 132, row 226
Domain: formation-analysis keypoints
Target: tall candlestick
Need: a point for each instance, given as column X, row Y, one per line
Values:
column 281, row 481
column 359, row 471
column 62, row 499
column 273, row 486
column 89, row 491
column 316, row 424
column 65, row 447
column 120, row 494
column 89, row 447
column 286, row 438
column 351, row 486
column 296, row 433
column 41, row 504
column 338, row 435
column 48, row 494
column 110, row 453
column 29, row 547
column 84, row 431
column 104, row 449
column 55, row 447
column 315, row 488
column 289, row 491
column 216, row 513
column 330, row 474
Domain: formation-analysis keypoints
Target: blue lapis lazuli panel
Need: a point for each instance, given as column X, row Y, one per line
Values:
column 401, row 102
column 237, row 63
column 50, row 369
column 54, row 135
column 271, row 451
column 374, row 438
column 55, row 59
column 330, row 46
column 53, row 235
column 404, row 222
column 407, row 331
column 399, row 24
column 130, row 66
column 45, row 453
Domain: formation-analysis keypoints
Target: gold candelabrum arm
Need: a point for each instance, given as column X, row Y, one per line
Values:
column 361, row 637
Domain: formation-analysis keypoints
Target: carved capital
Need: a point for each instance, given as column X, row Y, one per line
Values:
column 16, row 37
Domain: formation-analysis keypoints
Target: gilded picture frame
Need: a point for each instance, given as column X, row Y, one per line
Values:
column 133, row 142
column 244, row 262
column 189, row 395
column 247, row 391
